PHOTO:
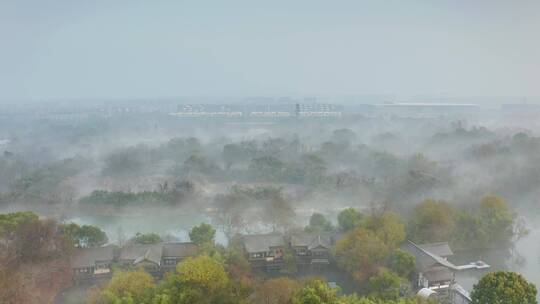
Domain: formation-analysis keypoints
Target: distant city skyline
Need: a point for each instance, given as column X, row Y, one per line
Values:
column 451, row 50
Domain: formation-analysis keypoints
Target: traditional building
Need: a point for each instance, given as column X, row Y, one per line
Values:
column 146, row 256
column 174, row 253
column 432, row 265
column 312, row 249
column 96, row 263
column 435, row 274
column 265, row 251
column 92, row 263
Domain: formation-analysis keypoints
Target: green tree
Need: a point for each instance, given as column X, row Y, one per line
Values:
column 202, row 271
column 349, row 219
column 493, row 225
column 360, row 252
column 316, row 292
column 238, row 153
column 432, row 221
column 199, row 164
column 126, row 288
column 402, row 263
column 203, row 234
column 277, row 291
column 85, row 235
column 267, row 168
column 318, row 223
column 146, row 238
column 125, row 162
column 386, row 285
column 10, row 222
column 201, row 280
column 503, row 288
column 388, row 227
column 469, row 232
column 497, row 220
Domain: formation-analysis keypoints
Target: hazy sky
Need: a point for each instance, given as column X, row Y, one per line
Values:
column 122, row 49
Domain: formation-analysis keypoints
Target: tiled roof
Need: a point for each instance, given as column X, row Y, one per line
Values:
column 426, row 259
column 262, row 242
column 311, row 240
column 179, row 249
column 441, row 249
column 139, row 253
column 87, row 257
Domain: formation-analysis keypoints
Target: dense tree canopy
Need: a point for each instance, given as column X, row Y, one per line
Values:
column 125, row 288
column 203, row 234
column 267, row 168
column 85, row 235
column 360, row 252
column 349, row 219
column 204, row 272
column 277, row 291
column 388, row 227
column 318, row 223
column 10, row 222
column 492, row 226
column 316, row 292
column 200, row 279
column 433, row 222
column 386, row 285
column 402, row 263
column 146, row 238
column 503, row 288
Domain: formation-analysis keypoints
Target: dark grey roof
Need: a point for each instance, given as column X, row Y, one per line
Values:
column 139, row 253
column 320, row 241
column 87, row 257
column 179, row 250
column 441, row 249
column 438, row 274
column 262, row 242
column 426, row 259
column 311, row 240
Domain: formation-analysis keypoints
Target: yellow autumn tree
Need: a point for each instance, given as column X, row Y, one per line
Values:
column 126, row 287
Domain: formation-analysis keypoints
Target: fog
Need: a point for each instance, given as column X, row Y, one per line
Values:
column 135, row 119
column 128, row 170
column 133, row 49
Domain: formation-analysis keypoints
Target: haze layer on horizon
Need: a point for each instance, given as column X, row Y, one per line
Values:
column 131, row 49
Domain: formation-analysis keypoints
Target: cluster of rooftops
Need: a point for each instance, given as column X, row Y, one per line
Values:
column 267, row 252
column 155, row 258
column 263, row 250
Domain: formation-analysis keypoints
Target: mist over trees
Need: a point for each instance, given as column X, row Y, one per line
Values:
column 371, row 183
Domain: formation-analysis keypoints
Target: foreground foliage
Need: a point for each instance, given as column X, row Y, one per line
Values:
column 125, row 288
column 31, row 248
column 503, row 288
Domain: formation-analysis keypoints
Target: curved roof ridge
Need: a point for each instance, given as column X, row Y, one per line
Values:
column 437, row 258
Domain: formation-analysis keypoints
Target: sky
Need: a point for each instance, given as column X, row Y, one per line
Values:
column 75, row 49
